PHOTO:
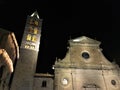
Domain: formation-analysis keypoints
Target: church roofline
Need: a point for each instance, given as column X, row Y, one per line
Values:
column 83, row 40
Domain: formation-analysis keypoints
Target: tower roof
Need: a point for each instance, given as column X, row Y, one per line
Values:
column 35, row 14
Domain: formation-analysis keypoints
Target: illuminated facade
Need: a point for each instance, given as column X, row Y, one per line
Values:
column 85, row 68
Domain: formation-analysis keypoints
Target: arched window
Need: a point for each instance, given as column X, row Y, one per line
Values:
column 31, row 21
column 36, row 23
column 34, row 38
column 32, row 46
column 27, row 46
column 35, row 31
column 30, row 30
column 29, row 37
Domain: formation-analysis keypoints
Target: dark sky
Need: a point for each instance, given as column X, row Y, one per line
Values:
column 63, row 20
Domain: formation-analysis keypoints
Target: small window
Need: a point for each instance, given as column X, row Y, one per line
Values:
column 85, row 55
column 44, row 83
column 30, row 30
column 36, row 23
column 31, row 21
column 32, row 46
column 29, row 37
column 27, row 46
column 113, row 82
column 35, row 31
column 34, row 38
column 64, row 81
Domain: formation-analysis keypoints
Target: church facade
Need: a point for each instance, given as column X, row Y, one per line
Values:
column 84, row 66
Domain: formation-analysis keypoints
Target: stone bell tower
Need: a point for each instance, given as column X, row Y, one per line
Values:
column 26, row 65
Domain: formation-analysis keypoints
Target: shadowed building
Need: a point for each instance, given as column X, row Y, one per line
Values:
column 43, row 81
column 9, row 52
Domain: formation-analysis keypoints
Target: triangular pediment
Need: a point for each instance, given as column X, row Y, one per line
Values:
column 83, row 53
column 84, row 40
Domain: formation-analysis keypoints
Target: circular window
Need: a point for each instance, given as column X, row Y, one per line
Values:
column 64, row 81
column 85, row 55
column 113, row 82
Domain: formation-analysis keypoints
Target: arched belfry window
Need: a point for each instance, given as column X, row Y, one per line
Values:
column 29, row 37
column 44, row 83
column 35, row 30
column 34, row 38
column 90, row 87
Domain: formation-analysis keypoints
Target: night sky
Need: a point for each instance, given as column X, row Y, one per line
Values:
column 62, row 21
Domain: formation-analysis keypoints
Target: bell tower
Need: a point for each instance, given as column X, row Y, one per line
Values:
column 26, row 65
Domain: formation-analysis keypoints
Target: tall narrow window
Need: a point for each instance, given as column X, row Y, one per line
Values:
column 35, row 31
column 36, row 23
column 44, row 83
column 29, row 37
column 34, row 38
column 30, row 30
column 31, row 21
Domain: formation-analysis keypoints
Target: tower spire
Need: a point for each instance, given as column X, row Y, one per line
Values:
column 35, row 14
